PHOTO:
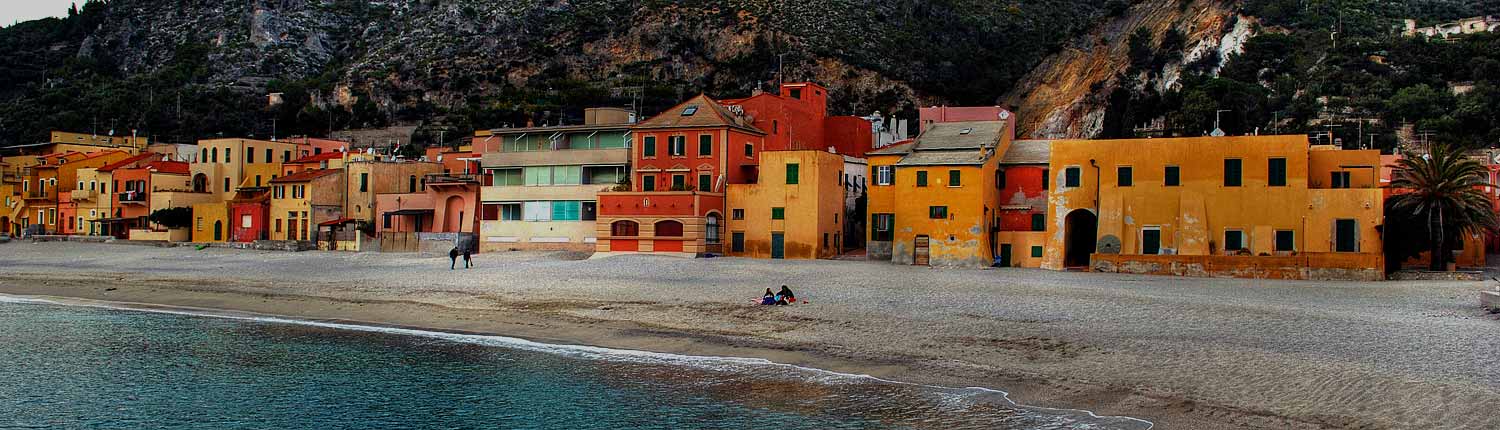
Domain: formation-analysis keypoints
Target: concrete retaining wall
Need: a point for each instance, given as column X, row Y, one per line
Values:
column 1490, row 300
column 1310, row 266
column 263, row 245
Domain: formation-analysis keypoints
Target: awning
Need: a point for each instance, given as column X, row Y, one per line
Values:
column 412, row 212
column 340, row 221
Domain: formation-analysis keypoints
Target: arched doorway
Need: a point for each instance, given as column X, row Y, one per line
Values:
column 711, row 234
column 218, row 231
column 453, row 214
column 1081, row 234
column 200, row 183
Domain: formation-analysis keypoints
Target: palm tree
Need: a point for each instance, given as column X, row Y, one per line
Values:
column 1447, row 189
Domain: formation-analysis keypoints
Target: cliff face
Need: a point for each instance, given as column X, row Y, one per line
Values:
column 1065, row 96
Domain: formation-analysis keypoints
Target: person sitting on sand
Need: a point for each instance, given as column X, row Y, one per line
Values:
column 769, row 298
column 453, row 258
column 785, row 296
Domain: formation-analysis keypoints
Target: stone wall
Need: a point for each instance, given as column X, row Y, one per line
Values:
column 1309, row 266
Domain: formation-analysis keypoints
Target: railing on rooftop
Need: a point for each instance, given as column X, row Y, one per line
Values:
column 453, row 178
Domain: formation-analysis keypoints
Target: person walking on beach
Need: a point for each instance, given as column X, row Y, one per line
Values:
column 468, row 263
column 453, row 258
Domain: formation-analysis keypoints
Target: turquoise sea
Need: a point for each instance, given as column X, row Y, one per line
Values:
column 83, row 367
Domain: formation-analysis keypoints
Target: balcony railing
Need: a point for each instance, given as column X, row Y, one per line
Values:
column 132, row 197
column 453, row 179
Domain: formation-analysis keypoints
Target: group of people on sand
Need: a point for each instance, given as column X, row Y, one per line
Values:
column 783, row 297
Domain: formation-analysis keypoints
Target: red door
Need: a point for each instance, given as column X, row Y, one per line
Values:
column 624, row 245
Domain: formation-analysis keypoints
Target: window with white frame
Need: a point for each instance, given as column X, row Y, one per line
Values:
column 885, row 175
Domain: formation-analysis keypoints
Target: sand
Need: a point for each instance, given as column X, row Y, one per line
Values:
column 1184, row 353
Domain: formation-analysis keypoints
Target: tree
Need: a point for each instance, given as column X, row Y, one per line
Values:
column 1447, row 191
column 172, row 217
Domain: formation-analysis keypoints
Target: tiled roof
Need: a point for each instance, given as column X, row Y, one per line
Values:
column 705, row 112
column 960, row 135
column 945, row 158
column 173, row 167
column 126, row 162
column 898, row 148
column 1028, row 152
column 305, row 175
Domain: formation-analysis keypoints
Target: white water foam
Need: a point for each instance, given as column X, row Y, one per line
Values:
column 821, row 376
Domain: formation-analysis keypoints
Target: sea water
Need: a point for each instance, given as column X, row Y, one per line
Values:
column 84, row 367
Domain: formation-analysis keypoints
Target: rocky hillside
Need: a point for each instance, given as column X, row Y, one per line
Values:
column 186, row 69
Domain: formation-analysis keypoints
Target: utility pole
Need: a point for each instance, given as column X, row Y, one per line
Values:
column 780, row 71
column 273, row 129
column 1218, row 132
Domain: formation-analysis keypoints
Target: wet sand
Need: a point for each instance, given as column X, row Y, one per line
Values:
column 1184, row 353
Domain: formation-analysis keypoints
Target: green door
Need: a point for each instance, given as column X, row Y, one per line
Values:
column 778, row 245
column 218, row 231
column 1344, row 240
column 1004, row 260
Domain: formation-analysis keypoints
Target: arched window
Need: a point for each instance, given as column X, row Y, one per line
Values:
column 668, row 229
column 214, row 155
column 711, row 232
column 625, row 228
column 205, row 156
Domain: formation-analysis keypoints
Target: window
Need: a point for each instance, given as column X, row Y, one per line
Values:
column 749, row 150
column 226, row 185
column 278, row 223
column 1232, row 172
column 1036, row 252
column 690, row 110
column 921, row 178
column 737, row 213
column 226, row 155
column 705, row 182
column 885, row 175
column 364, row 182
column 1286, row 241
column 499, row 177
column 648, row 147
column 624, row 228
column 510, row 212
column 1340, row 180
column 257, row 181
column 286, row 156
column 668, row 228
column 737, row 241
column 883, row 227
column 648, row 183
column 778, row 213
column 1276, row 172
column 1000, row 179
column 955, row 178
column 538, row 211
column 1038, row 222
column 204, row 159
column 1124, row 176
column 490, row 212
column 268, row 155
column 1151, row 240
column 793, row 172
column 214, row 155
column 679, row 182
column 1345, row 235
column 1234, row 240
column 677, row 146
column 711, row 229
column 589, row 211
column 1046, row 179
column 797, row 93
column 567, row 211
column 250, row 155
column 1172, row 177
column 705, row 145
column 937, row 212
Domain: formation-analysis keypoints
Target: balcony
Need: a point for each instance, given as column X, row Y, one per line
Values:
column 132, row 198
column 585, row 157
column 41, row 195
column 452, row 179
column 84, row 195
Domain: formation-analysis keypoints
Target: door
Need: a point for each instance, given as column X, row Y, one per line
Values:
column 1151, row 241
column 1344, row 236
column 218, row 231
column 1004, row 255
column 921, row 256
column 778, row 245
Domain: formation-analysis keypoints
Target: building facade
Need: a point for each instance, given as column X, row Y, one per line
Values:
column 301, row 201
column 1023, row 182
column 545, row 183
column 795, row 211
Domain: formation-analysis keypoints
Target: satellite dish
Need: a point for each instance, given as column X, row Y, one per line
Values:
column 1109, row 244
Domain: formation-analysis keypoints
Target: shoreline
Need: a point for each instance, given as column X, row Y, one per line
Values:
column 1179, row 352
column 508, row 341
column 602, row 334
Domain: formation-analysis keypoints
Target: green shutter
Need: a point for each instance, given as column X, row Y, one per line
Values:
column 1038, row 222
column 1036, row 252
column 955, row 178
column 792, row 173
column 922, row 178
column 1232, row 172
column 648, row 146
column 778, row 213
column 1276, row 172
column 1173, row 176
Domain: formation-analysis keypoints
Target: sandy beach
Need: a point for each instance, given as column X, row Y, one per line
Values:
column 1183, row 353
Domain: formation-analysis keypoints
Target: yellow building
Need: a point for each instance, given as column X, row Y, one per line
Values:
column 300, row 201
column 934, row 201
column 223, row 164
column 210, row 222
column 1250, row 206
column 795, row 210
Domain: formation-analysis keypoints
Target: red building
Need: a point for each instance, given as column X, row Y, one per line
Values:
column 936, row 114
column 797, row 119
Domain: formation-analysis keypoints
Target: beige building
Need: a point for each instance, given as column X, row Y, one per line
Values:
column 369, row 178
column 546, row 181
column 300, row 201
column 223, row 164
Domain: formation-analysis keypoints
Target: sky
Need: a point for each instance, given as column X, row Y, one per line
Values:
column 25, row 10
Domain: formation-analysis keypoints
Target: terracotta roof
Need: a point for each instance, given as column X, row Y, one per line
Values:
column 1028, row 152
column 305, row 175
column 319, row 157
column 173, row 167
column 126, row 162
column 697, row 112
